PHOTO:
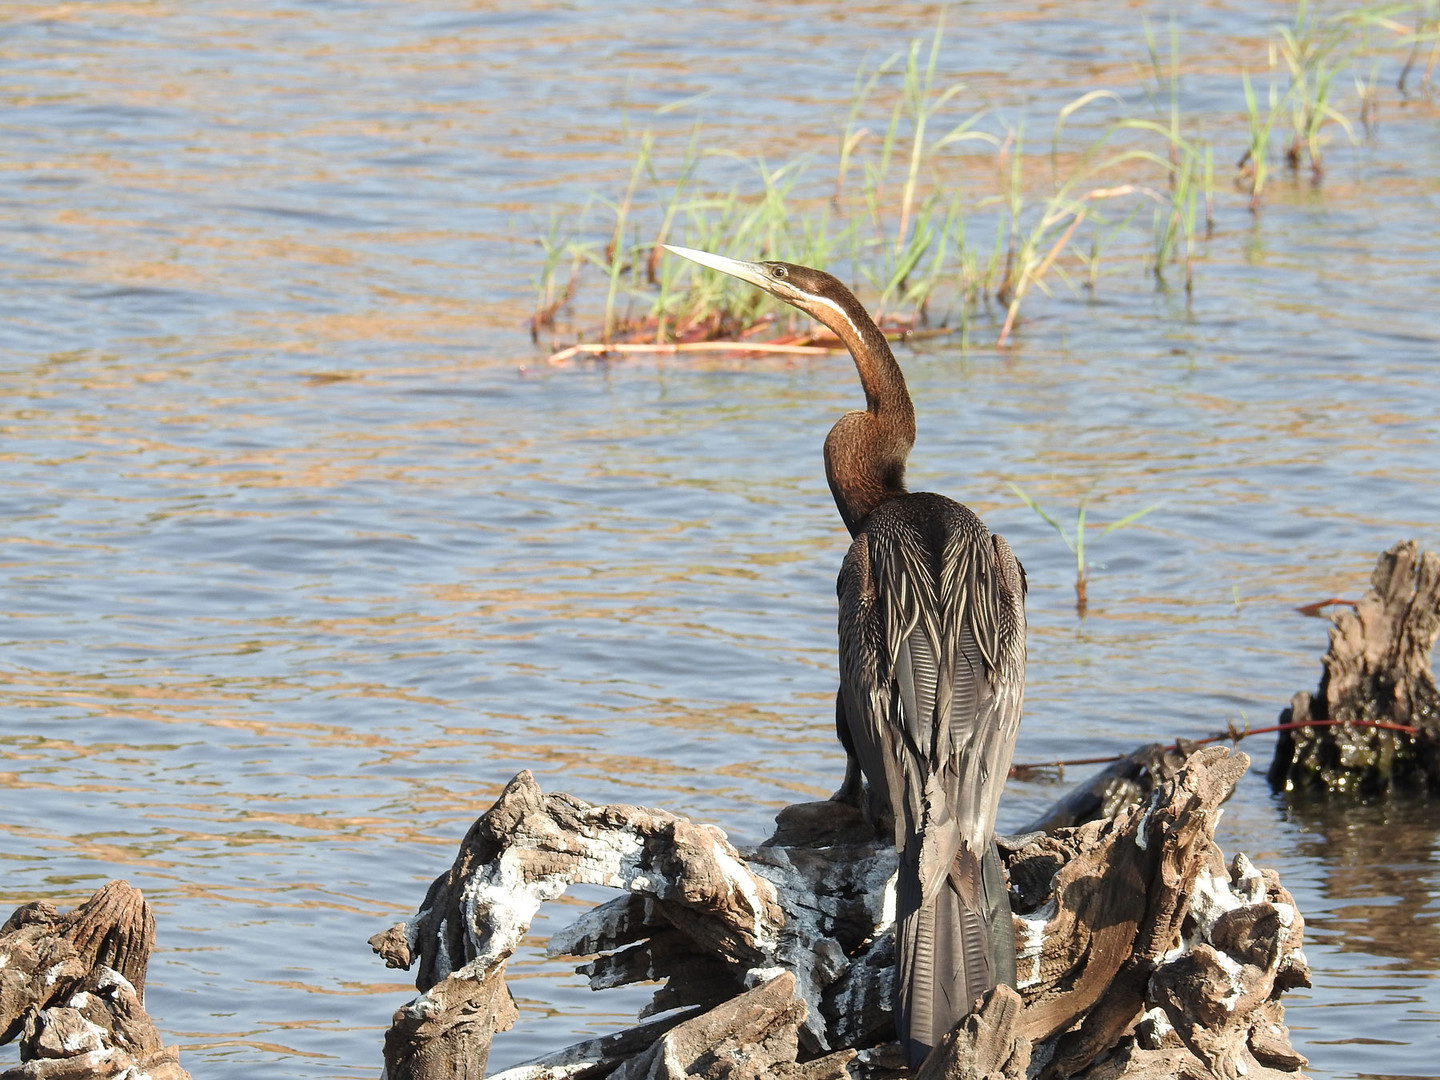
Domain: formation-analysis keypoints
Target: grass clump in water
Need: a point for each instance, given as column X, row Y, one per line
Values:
column 933, row 216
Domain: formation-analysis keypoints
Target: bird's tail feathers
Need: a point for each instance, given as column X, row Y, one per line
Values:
column 947, row 948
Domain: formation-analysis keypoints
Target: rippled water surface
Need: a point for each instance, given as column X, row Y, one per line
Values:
column 304, row 554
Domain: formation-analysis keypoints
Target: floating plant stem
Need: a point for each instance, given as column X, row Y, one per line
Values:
column 1076, row 541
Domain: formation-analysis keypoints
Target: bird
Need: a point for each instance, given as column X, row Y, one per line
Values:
column 932, row 674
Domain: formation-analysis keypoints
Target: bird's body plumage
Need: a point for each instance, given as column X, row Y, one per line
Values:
column 932, row 673
column 932, row 655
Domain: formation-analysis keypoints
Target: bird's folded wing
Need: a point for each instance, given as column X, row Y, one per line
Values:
column 922, row 657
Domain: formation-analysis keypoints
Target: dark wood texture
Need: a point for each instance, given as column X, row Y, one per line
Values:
column 1124, row 782
column 1377, row 669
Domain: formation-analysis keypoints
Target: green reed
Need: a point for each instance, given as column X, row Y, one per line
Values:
column 910, row 267
column 617, row 256
column 1189, row 164
column 1313, row 51
column 556, row 250
column 1426, row 15
column 1035, row 240
column 1255, row 163
column 1075, row 540
column 914, row 216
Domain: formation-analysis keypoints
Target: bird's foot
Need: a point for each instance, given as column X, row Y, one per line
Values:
column 852, row 789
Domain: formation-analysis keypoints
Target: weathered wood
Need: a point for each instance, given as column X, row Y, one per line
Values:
column 528, row 848
column 72, row 988
column 1377, row 669
column 1139, row 951
column 595, row 1059
column 1124, row 782
column 753, row 1035
column 987, row 1045
column 447, row 1031
column 1149, row 959
column 1141, row 954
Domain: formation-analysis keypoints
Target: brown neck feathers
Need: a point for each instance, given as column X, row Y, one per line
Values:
column 865, row 452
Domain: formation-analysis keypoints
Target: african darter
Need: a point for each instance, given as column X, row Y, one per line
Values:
column 932, row 673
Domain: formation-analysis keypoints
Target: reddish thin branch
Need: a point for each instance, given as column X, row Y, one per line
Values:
column 1232, row 733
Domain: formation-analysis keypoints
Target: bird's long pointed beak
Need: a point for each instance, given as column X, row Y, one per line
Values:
column 753, row 273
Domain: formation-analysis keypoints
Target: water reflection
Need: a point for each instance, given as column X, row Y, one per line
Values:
column 1379, row 867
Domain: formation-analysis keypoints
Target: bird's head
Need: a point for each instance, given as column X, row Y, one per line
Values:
column 814, row 292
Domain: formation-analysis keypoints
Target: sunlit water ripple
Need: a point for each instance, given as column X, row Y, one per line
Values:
column 305, row 556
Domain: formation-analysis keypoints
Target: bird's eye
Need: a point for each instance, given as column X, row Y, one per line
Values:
column 779, row 273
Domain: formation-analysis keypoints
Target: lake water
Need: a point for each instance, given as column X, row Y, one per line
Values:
column 306, row 551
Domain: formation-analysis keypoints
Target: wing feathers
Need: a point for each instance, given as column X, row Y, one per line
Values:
column 932, row 663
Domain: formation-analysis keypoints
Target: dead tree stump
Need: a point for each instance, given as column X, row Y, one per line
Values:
column 1147, row 952
column 1377, row 670
column 72, row 988
column 1141, row 954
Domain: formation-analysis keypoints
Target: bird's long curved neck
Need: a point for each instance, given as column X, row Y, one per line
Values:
column 865, row 452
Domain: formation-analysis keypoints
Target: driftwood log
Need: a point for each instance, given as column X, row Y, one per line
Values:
column 1377, row 670
column 72, row 989
column 1142, row 954
column 1123, row 783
